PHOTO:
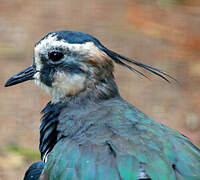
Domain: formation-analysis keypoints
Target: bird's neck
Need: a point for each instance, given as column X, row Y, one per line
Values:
column 85, row 101
column 94, row 92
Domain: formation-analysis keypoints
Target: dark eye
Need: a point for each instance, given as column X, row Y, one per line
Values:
column 55, row 56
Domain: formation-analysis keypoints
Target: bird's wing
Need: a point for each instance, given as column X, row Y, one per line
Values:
column 125, row 144
column 34, row 171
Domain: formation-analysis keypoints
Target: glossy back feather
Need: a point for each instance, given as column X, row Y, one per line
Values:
column 114, row 140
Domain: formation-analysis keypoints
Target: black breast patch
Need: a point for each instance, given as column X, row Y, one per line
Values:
column 48, row 128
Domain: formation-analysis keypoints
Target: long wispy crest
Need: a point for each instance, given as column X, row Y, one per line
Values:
column 120, row 59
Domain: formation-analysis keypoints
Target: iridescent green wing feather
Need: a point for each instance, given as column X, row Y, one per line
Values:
column 120, row 142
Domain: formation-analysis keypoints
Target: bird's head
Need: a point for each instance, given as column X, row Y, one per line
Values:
column 68, row 63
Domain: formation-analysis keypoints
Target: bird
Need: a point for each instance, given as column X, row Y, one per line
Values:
column 88, row 131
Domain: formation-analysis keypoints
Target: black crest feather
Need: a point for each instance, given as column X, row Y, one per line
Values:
column 119, row 59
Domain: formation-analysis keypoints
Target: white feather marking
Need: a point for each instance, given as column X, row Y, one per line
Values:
column 63, row 85
column 84, row 50
column 44, row 159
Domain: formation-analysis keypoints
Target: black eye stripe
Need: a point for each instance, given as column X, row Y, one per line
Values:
column 55, row 55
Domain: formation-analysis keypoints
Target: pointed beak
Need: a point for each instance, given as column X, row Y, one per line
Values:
column 24, row 75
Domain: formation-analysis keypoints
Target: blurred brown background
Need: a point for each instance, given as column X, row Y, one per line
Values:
column 162, row 33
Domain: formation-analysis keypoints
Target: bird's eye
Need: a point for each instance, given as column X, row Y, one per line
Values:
column 55, row 56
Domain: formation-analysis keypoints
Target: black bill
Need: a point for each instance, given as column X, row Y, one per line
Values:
column 24, row 75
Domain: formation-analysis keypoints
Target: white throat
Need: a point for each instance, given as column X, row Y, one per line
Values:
column 64, row 85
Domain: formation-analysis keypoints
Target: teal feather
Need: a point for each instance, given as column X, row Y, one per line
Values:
column 113, row 140
column 126, row 164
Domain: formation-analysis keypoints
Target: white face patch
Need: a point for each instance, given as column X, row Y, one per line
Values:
column 67, row 85
column 85, row 50
column 64, row 84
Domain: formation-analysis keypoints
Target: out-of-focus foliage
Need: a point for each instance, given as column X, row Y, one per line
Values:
column 25, row 152
column 168, row 2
